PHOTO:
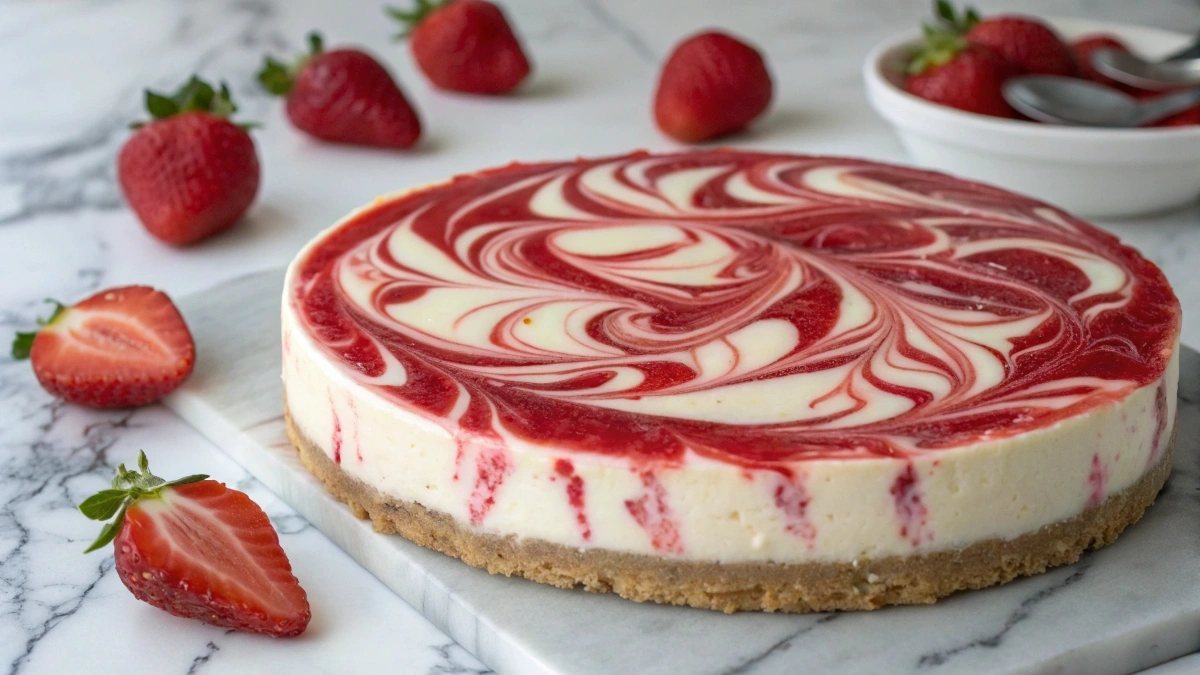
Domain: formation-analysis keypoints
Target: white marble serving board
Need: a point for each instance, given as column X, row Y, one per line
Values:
column 1127, row 607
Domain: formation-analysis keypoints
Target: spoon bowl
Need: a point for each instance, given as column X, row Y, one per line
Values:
column 1135, row 71
column 1069, row 100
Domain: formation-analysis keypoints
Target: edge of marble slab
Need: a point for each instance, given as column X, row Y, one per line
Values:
column 280, row 470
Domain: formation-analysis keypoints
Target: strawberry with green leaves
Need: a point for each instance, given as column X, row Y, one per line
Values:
column 199, row 550
column 949, row 70
column 464, row 45
column 119, row 348
column 343, row 96
column 189, row 173
column 1027, row 45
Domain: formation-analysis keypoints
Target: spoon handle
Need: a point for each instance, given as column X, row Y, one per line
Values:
column 1156, row 109
column 1189, row 52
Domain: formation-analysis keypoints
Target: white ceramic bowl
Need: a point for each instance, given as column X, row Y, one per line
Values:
column 1088, row 171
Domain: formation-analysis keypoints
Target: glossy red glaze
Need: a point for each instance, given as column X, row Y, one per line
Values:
column 875, row 241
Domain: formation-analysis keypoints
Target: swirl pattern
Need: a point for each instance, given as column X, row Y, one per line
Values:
column 753, row 308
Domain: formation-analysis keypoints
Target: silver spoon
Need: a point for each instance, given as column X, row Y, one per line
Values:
column 1132, row 70
column 1069, row 100
column 1179, row 69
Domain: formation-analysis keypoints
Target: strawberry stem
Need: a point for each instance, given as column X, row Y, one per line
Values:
column 943, row 38
column 128, row 487
column 413, row 17
column 23, row 342
column 278, row 77
column 948, row 19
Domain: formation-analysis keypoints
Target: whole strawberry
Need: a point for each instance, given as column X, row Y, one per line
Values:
column 343, row 96
column 120, row 348
column 199, row 550
column 1027, row 45
column 189, row 173
column 711, row 85
column 950, row 71
column 464, row 45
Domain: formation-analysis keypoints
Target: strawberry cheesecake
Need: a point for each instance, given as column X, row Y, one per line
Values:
column 733, row 380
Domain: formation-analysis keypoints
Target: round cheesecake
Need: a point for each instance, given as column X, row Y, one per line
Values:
column 733, row 380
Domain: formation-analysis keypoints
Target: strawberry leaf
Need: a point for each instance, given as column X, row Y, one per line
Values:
column 944, row 10
column 22, row 345
column 127, row 488
column 109, row 531
column 194, row 478
column 222, row 103
column 948, row 19
column 104, row 504
column 23, row 342
column 194, row 95
column 159, row 106
column 278, row 77
column 275, row 77
column 413, row 17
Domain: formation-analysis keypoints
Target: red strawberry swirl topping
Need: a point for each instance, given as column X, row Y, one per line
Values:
column 752, row 308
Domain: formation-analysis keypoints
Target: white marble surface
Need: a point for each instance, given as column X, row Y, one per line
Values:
column 71, row 72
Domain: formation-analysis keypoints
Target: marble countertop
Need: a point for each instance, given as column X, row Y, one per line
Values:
column 72, row 72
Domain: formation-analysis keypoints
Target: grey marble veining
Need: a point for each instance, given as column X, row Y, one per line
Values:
column 1126, row 607
column 71, row 75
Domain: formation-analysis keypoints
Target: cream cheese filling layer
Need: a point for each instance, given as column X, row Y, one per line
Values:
column 815, row 510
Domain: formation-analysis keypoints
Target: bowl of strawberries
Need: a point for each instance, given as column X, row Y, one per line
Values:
column 942, row 91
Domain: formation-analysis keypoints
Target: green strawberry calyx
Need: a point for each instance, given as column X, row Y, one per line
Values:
column 128, row 487
column 944, row 38
column 278, row 77
column 411, row 18
column 23, row 342
column 949, row 19
column 194, row 95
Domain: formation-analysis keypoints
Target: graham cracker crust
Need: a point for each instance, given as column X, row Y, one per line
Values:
column 762, row 586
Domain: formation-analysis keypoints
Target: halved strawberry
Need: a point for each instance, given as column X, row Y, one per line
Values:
column 199, row 550
column 122, row 347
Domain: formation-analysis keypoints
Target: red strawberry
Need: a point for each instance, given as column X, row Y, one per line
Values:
column 1088, row 45
column 1027, row 44
column 199, row 550
column 190, row 173
column 343, row 96
column 464, row 45
column 949, row 71
column 711, row 85
column 119, row 348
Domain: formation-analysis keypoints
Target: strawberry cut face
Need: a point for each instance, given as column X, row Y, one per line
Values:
column 205, row 552
column 122, row 347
